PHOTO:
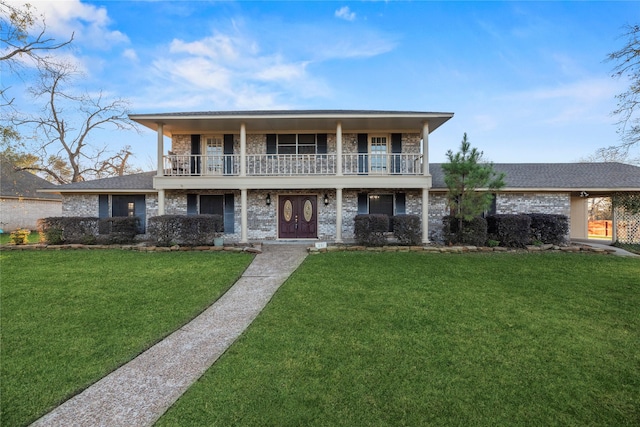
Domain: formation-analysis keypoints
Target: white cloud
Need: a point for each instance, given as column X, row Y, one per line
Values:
column 130, row 54
column 345, row 13
column 89, row 23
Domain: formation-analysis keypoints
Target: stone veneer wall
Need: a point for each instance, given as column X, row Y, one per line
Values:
column 548, row 203
column 88, row 205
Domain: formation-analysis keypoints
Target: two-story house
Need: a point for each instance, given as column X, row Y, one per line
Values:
column 293, row 174
column 307, row 174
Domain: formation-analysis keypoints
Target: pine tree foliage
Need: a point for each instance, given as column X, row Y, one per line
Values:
column 470, row 182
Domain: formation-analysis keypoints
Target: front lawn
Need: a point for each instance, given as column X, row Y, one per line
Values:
column 70, row 317
column 373, row 339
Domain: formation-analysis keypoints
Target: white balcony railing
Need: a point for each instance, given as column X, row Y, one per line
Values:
column 382, row 164
column 293, row 164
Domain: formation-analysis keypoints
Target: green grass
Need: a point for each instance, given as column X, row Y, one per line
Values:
column 70, row 317
column 362, row 339
column 5, row 238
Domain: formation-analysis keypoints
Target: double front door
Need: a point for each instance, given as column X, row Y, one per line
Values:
column 297, row 217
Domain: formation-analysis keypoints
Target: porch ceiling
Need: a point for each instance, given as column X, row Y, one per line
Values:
column 281, row 121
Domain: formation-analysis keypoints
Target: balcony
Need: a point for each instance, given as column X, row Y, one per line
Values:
column 282, row 165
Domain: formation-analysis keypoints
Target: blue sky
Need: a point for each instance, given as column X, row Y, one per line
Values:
column 526, row 80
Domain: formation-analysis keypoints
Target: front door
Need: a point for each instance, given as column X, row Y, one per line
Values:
column 298, row 217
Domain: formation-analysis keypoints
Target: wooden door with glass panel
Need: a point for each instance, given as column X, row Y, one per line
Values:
column 297, row 217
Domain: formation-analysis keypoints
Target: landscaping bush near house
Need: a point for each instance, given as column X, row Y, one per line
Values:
column 72, row 229
column 406, row 228
column 118, row 230
column 510, row 230
column 370, row 229
column 188, row 230
column 20, row 236
column 549, row 228
column 474, row 232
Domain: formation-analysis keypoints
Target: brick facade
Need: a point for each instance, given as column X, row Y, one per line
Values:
column 24, row 213
column 262, row 220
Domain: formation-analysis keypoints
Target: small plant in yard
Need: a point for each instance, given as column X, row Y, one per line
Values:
column 20, row 236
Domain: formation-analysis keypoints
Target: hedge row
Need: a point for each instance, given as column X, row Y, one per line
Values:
column 88, row 230
column 514, row 231
column 191, row 230
column 371, row 229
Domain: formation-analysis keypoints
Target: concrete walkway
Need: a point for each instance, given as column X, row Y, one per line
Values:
column 608, row 247
column 138, row 393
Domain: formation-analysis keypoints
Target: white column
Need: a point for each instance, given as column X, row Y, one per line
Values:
column 243, row 150
column 425, row 215
column 339, row 149
column 425, row 148
column 160, row 149
column 338, row 215
column 160, row 202
column 243, row 216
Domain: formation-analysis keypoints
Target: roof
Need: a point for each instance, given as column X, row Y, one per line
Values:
column 23, row 184
column 291, row 120
column 559, row 176
column 139, row 182
column 591, row 177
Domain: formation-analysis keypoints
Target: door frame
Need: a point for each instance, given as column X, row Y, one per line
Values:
column 279, row 214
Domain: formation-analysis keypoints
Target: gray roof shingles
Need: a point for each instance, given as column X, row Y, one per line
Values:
column 571, row 176
column 20, row 183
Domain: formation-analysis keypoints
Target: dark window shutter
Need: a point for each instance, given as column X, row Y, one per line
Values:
column 195, row 151
column 228, row 150
column 228, row 213
column 140, row 211
column 321, row 142
column 363, row 203
column 363, row 143
column 396, row 143
column 272, row 147
column 396, row 149
column 401, row 203
column 192, row 204
column 363, row 149
column 103, row 206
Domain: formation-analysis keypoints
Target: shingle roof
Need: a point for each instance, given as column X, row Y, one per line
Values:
column 19, row 183
column 135, row 182
column 575, row 176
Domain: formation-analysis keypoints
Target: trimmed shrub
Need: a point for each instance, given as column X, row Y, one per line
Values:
column 20, row 236
column 118, row 230
column 510, row 230
column 370, row 229
column 188, row 230
column 474, row 232
column 406, row 228
column 71, row 229
column 549, row 228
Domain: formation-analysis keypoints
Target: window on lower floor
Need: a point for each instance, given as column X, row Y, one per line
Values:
column 388, row 204
column 213, row 204
column 124, row 205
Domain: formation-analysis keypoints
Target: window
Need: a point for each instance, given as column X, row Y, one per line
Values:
column 379, row 152
column 125, row 205
column 388, row 204
column 290, row 143
column 213, row 204
column 213, row 150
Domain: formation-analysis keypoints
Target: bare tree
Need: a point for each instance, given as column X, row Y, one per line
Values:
column 614, row 153
column 63, row 129
column 23, row 37
column 627, row 61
